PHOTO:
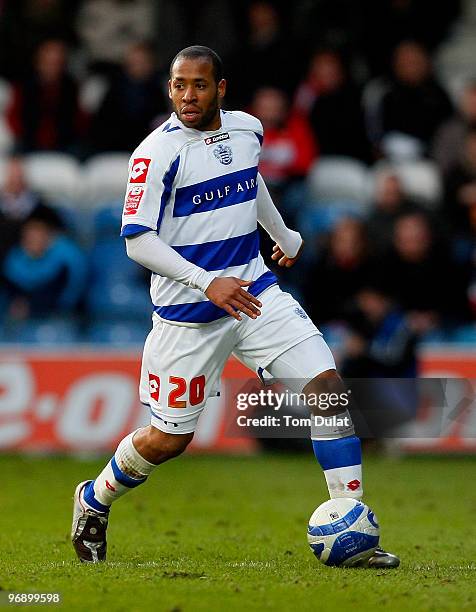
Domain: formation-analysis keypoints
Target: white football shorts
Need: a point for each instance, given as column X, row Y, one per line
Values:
column 182, row 366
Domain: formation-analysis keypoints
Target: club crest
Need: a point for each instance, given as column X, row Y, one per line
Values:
column 300, row 312
column 224, row 154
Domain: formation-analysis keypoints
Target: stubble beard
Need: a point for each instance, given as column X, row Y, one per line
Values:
column 206, row 119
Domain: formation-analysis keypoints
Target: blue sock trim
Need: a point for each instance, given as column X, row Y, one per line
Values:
column 341, row 452
column 124, row 479
column 88, row 496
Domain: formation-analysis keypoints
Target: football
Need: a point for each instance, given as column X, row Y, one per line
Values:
column 343, row 531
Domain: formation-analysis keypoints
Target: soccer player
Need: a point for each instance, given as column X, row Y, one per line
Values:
column 192, row 206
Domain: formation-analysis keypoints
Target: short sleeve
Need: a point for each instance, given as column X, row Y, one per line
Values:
column 148, row 190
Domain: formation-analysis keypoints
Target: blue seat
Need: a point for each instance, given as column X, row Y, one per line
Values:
column 335, row 334
column 465, row 334
column 435, row 336
column 117, row 333
column 117, row 285
column 77, row 222
column 107, row 220
column 108, row 261
column 322, row 216
column 118, row 299
column 51, row 331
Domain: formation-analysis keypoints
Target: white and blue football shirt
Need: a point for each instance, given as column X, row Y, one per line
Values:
column 198, row 191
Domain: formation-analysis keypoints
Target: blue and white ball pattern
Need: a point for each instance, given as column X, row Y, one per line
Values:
column 343, row 531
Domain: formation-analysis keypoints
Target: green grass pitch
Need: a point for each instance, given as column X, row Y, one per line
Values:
column 229, row 533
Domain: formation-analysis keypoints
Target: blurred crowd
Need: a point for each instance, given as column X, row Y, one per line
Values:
column 366, row 152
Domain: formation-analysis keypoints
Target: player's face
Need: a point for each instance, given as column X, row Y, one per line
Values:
column 195, row 95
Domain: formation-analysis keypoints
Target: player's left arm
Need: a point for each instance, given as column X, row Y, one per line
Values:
column 289, row 243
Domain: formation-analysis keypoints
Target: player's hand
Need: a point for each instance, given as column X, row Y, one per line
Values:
column 228, row 293
column 284, row 260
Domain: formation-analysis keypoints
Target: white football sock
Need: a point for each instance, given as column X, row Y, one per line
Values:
column 126, row 470
column 345, row 481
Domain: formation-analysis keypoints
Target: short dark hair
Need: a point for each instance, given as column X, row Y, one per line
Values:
column 200, row 52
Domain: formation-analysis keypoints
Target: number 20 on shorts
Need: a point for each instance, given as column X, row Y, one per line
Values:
column 196, row 390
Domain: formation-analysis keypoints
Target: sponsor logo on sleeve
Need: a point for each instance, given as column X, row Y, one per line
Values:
column 218, row 138
column 133, row 198
column 139, row 170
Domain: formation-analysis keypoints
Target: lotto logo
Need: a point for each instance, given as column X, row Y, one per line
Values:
column 217, row 138
column 134, row 196
column 353, row 485
column 139, row 170
column 154, row 386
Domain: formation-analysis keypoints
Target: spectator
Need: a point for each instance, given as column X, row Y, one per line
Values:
column 387, row 22
column 53, row 121
column 344, row 266
column 381, row 343
column 214, row 23
column 107, row 28
column 390, row 203
column 45, row 273
column 17, row 204
column 265, row 58
column 25, row 23
column 288, row 147
column 381, row 347
column 460, row 198
column 310, row 87
column 419, row 273
column 451, row 136
column 415, row 104
column 135, row 97
column 336, row 115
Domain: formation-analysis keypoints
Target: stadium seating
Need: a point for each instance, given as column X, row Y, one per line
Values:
column 313, row 221
column 420, row 179
column 399, row 147
column 104, row 178
column 5, row 94
column 339, row 179
column 117, row 288
column 115, row 308
column 455, row 57
column 55, row 176
column 337, row 187
column 107, row 220
column 92, row 92
column 117, row 300
column 117, row 333
column 6, row 137
column 50, row 331
column 466, row 334
column 372, row 96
